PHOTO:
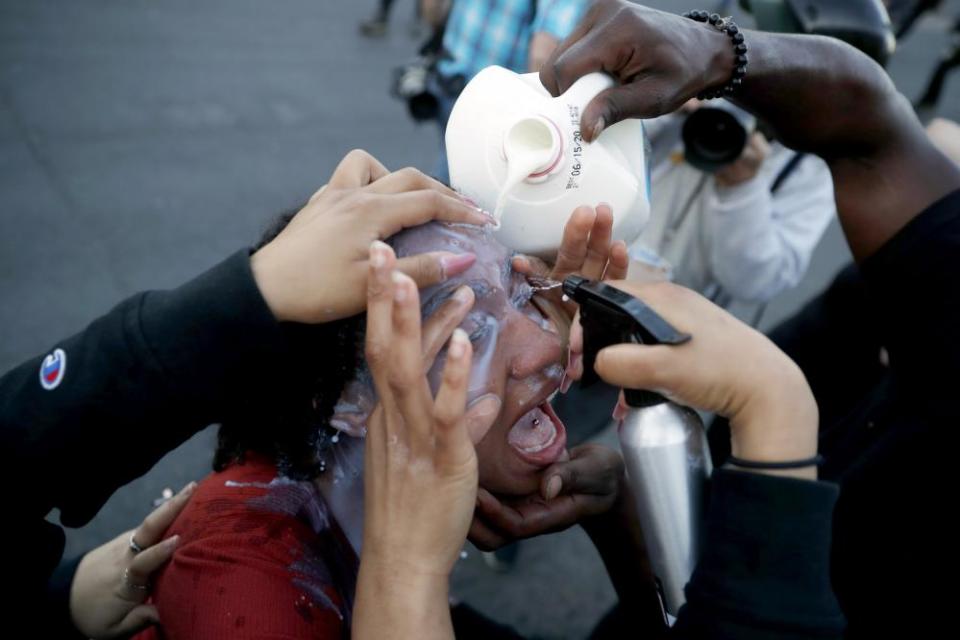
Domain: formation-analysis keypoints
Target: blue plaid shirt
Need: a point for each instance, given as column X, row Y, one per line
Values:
column 484, row 32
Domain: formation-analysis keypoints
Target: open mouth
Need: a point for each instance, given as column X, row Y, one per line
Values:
column 538, row 436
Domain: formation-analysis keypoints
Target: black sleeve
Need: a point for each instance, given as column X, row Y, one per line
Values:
column 764, row 572
column 836, row 342
column 56, row 621
column 137, row 383
column 912, row 287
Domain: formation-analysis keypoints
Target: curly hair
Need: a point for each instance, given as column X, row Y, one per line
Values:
column 297, row 433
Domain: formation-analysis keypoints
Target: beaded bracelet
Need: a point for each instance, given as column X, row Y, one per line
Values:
column 815, row 461
column 729, row 27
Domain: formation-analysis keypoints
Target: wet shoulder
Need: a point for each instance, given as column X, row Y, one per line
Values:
column 259, row 555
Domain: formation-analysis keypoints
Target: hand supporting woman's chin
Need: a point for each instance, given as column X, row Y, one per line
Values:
column 583, row 485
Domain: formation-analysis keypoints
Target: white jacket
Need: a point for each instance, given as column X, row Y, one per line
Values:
column 741, row 243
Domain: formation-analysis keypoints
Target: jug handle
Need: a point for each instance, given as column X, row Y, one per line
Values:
column 586, row 89
column 533, row 81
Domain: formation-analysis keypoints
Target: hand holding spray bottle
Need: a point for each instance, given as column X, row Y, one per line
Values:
column 664, row 445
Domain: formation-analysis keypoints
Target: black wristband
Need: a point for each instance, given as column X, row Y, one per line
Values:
column 729, row 27
column 815, row 461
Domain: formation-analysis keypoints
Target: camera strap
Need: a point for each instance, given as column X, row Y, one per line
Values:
column 787, row 171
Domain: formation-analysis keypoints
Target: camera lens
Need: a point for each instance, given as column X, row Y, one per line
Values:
column 713, row 138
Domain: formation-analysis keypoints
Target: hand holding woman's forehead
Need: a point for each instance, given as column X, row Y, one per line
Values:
column 490, row 277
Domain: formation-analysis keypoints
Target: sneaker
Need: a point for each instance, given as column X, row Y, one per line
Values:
column 373, row 28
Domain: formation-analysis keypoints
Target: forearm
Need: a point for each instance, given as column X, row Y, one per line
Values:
column 619, row 540
column 392, row 605
column 145, row 376
column 824, row 97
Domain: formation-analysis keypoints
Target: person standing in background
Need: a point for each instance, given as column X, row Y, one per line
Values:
column 376, row 26
column 743, row 234
column 516, row 34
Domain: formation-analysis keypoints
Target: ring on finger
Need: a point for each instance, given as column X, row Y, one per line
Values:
column 136, row 548
column 133, row 585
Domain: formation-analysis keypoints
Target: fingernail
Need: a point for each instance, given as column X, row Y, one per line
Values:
column 458, row 344
column 488, row 218
column 565, row 383
column 473, row 204
column 470, row 201
column 463, row 295
column 485, row 406
column 378, row 256
column 480, row 415
column 399, row 287
column 576, row 364
column 483, row 497
column 483, row 212
column 188, row 489
column 554, row 485
column 172, row 541
column 598, row 127
column 455, row 264
column 619, row 412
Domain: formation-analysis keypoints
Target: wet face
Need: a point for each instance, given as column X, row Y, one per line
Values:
column 518, row 346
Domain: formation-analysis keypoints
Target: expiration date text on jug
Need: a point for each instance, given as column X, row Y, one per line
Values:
column 573, row 181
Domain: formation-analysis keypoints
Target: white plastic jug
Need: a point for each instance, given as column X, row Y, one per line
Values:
column 517, row 151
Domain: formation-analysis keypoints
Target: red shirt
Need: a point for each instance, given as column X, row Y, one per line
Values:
column 259, row 557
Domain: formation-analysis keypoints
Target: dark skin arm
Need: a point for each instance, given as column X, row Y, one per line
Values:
column 819, row 95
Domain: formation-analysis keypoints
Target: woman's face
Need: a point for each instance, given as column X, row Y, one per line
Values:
column 518, row 340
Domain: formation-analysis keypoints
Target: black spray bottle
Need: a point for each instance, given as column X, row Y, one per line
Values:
column 664, row 445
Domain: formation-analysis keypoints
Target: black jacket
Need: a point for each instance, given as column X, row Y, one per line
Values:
column 881, row 350
column 137, row 382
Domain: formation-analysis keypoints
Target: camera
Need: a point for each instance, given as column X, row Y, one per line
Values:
column 713, row 137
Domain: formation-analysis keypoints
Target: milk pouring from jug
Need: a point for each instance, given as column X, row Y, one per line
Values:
column 519, row 153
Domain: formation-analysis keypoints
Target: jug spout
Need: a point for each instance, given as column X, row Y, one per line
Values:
column 534, row 145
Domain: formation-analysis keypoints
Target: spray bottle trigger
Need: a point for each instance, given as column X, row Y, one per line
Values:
column 610, row 316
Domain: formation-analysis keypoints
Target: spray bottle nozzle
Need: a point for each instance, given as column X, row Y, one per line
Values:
column 610, row 316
